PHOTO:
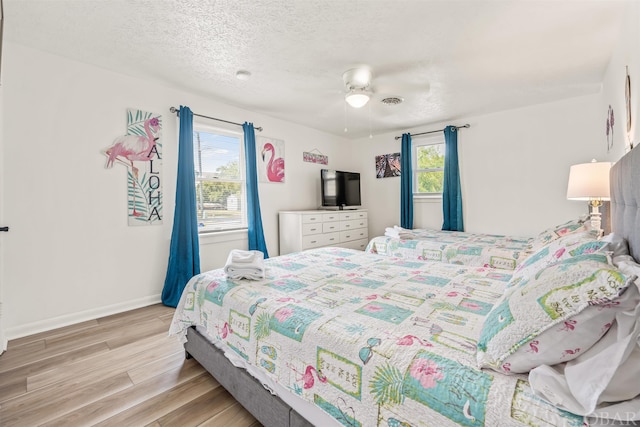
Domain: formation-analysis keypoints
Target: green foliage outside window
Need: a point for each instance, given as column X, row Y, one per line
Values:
column 430, row 168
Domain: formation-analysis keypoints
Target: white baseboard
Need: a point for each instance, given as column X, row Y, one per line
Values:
column 82, row 316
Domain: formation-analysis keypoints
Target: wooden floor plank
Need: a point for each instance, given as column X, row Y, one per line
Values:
column 157, row 367
column 136, row 315
column 21, row 355
column 188, row 395
column 104, row 332
column 105, row 365
column 42, row 362
column 114, row 410
column 119, row 370
column 70, row 329
column 198, row 410
column 34, row 410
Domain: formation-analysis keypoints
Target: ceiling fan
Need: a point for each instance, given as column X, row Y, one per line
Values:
column 359, row 90
column 358, row 84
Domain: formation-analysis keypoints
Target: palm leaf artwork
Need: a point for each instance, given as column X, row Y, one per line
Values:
column 144, row 202
column 136, row 119
column 261, row 327
column 386, row 385
column 139, row 209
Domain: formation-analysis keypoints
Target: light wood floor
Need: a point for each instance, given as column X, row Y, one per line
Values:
column 120, row 370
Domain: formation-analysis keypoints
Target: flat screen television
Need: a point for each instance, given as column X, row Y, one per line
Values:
column 340, row 189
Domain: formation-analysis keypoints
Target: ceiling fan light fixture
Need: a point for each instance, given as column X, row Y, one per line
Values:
column 357, row 98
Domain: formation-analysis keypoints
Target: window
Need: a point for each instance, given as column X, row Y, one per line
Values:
column 428, row 166
column 220, row 185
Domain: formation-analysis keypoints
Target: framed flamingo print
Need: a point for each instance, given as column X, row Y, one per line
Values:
column 270, row 159
column 140, row 151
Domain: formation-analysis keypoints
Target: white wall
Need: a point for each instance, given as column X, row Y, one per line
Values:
column 514, row 167
column 70, row 255
column 626, row 54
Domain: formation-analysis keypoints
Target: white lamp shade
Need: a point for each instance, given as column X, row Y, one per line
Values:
column 589, row 181
column 357, row 99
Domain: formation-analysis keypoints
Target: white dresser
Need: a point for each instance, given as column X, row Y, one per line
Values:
column 300, row 230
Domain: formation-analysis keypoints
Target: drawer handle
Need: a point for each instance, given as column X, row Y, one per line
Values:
column 332, row 239
column 312, row 218
column 313, row 241
column 313, row 229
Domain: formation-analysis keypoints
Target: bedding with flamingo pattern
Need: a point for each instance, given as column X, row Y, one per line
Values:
column 372, row 340
column 456, row 247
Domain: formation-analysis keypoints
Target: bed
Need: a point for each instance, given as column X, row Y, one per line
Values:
column 341, row 337
column 456, row 247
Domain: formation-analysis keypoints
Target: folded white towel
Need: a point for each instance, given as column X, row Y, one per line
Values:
column 245, row 265
column 238, row 256
column 399, row 233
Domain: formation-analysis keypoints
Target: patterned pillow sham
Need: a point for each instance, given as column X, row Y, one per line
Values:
column 562, row 248
column 553, row 233
column 556, row 315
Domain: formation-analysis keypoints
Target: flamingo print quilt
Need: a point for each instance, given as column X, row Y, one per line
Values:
column 455, row 247
column 372, row 340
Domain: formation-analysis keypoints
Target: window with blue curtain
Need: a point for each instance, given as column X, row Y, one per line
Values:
column 254, row 217
column 184, row 250
column 406, row 183
column 452, row 192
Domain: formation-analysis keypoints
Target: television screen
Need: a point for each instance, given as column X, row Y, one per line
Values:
column 340, row 188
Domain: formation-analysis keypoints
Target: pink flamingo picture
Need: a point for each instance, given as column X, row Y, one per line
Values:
column 275, row 167
column 307, row 378
column 129, row 148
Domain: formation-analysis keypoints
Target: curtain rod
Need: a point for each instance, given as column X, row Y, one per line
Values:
column 175, row 110
column 434, row 131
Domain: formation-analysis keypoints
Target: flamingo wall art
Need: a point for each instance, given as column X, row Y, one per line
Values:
column 140, row 151
column 270, row 159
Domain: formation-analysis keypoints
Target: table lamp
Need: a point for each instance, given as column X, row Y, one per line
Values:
column 590, row 182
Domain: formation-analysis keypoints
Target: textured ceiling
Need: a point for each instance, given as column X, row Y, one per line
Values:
column 448, row 59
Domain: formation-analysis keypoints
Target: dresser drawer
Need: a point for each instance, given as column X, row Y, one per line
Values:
column 345, row 216
column 330, row 227
column 352, row 224
column 331, row 217
column 310, row 219
column 317, row 240
column 312, row 228
column 357, row 234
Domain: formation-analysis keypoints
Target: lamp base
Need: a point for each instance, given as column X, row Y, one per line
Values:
column 596, row 219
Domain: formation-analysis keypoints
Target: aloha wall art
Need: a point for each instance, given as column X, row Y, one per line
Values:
column 270, row 159
column 140, row 151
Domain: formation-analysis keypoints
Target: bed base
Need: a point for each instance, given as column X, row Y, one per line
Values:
column 267, row 408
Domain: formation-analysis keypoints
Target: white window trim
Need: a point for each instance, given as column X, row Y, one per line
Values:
column 435, row 139
column 227, row 234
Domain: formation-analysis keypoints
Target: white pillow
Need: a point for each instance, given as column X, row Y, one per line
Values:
column 555, row 315
column 616, row 244
column 603, row 381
